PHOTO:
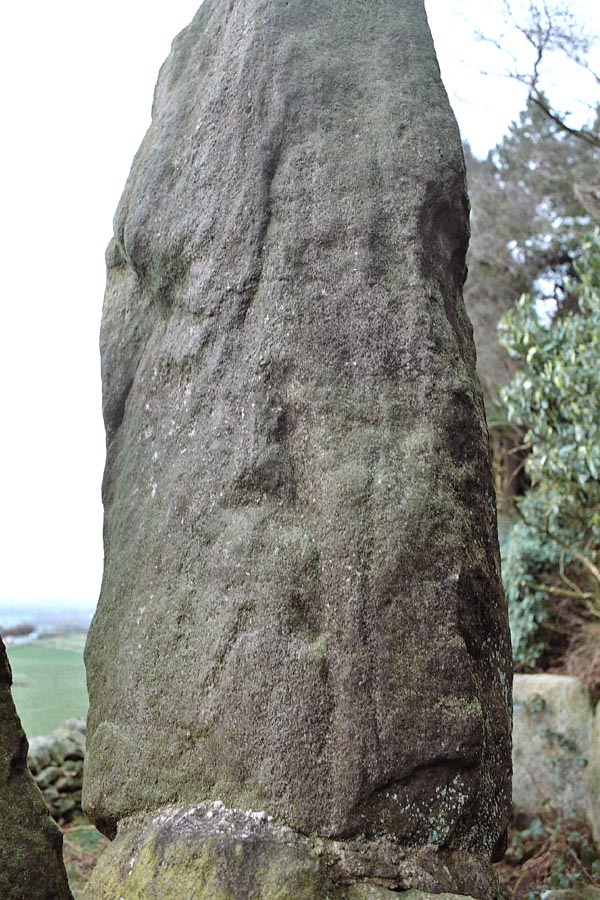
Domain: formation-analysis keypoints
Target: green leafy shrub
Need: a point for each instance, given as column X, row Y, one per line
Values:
column 555, row 397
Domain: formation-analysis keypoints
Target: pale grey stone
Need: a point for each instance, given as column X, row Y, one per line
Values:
column 552, row 742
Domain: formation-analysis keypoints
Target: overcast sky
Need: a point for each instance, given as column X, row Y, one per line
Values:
column 76, row 89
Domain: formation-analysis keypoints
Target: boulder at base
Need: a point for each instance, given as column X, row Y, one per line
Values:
column 213, row 853
column 31, row 866
column 552, row 743
column 301, row 608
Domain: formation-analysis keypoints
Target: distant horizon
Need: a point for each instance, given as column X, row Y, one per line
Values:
column 45, row 616
column 83, row 605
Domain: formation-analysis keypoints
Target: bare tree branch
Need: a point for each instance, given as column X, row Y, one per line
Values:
column 582, row 133
column 548, row 28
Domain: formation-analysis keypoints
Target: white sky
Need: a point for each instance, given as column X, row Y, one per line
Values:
column 76, row 83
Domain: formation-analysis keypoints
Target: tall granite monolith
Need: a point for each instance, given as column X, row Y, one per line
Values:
column 301, row 611
column 31, row 865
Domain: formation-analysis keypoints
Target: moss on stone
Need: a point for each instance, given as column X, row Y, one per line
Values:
column 210, row 852
column 174, row 864
column 297, row 462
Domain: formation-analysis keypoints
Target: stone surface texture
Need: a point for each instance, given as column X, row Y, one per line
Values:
column 552, row 744
column 581, row 892
column 210, row 852
column 301, row 608
column 592, row 783
column 31, row 866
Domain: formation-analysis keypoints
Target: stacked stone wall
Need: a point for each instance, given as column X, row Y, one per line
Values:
column 56, row 763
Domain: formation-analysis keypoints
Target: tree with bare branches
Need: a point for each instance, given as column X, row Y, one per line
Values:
column 552, row 37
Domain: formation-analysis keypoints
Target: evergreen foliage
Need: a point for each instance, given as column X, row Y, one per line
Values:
column 527, row 226
column 555, row 397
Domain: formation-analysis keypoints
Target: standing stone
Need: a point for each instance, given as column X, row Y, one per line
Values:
column 31, row 866
column 301, row 610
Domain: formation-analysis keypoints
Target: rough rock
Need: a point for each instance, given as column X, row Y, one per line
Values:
column 31, row 866
column 552, row 735
column 581, row 892
column 210, row 852
column 301, row 607
column 592, row 782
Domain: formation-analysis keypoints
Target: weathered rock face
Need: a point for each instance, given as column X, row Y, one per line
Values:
column 592, row 799
column 552, row 744
column 31, row 866
column 210, row 852
column 301, row 609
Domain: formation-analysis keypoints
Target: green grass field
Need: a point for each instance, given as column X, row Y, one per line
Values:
column 48, row 682
column 74, row 641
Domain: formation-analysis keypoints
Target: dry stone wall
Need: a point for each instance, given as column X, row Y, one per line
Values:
column 56, row 763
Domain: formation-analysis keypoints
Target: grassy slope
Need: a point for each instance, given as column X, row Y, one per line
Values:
column 83, row 846
column 49, row 685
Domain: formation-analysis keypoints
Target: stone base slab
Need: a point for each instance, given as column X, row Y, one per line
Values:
column 210, row 852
